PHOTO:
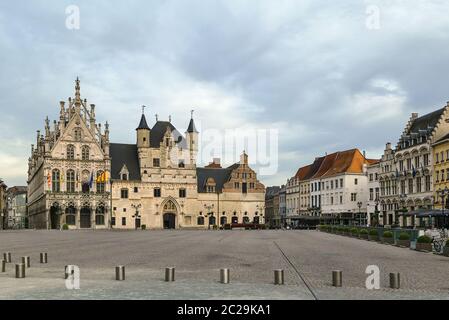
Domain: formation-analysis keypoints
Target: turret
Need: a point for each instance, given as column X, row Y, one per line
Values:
column 192, row 135
column 143, row 132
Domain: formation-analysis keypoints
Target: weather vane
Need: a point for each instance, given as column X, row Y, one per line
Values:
column 143, row 109
column 191, row 113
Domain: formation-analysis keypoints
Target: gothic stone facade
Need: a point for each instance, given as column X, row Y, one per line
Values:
column 156, row 184
column 63, row 170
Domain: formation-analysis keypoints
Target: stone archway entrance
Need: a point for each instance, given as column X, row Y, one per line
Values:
column 54, row 217
column 85, row 218
column 169, row 215
column 169, row 221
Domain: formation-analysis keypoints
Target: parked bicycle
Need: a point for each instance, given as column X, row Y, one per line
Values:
column 439, row 240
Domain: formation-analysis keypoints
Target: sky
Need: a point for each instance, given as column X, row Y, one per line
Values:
column 318, row 76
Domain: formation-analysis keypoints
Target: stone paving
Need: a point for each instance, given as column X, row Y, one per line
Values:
column 308, row 257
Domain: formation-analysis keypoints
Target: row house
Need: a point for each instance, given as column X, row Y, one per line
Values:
column 409, row 172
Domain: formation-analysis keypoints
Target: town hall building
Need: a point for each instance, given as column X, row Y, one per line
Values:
column 79, row 179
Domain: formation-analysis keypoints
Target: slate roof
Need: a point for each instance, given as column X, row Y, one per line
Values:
column 221, row 176
column 143, row 123
column 158, row 131
column 428, row 121
column 191, row 127
column 124, row 154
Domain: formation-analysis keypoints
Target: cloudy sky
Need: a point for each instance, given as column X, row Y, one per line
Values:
column 328, row 75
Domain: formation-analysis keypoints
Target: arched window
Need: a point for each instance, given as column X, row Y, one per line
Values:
column 200, row 221
column 70, row 152
column 101, row 181
column 235, row 220
column 70, row 181
column 246, row 220
column 70, row 215
column 256, row 220
column 99, row 216
column 212, row 220
column 85, row 153
column 55, row 181
column 223, row 220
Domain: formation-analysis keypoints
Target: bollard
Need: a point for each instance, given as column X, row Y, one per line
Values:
column 26, row 261
column 44, row 257
column 3, row 266
column 224, row 276
column 7, row 257
column 120, row 273
column 337, row 278
column 20, row 270
column 169, row 274
column 395, row 280
column 66, row 272
column 279, row 277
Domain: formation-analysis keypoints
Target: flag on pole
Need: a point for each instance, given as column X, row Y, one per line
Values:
column 91, row 182
column 49, row 180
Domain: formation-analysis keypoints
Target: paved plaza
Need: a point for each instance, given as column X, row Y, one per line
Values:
column 308, row 258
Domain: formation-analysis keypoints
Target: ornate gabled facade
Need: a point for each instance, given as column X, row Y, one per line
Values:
column 406, row 181
column 68, row 169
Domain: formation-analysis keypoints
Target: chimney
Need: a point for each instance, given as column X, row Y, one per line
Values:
column 388, row 147
column 414, row 115
column 217, row 161
column 364, row 154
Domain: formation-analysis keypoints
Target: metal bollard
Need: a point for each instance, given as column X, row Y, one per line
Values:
column 224, row 276
column 20, row 270
column 26, row 261
column 169, row 274
column 395, row 280
column 337, row 278
column 3, row 266
column 279, row 277
column 43, row 257
column 120, row 273
column 7, row 257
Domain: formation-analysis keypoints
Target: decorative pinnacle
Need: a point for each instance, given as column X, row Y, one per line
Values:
column 143, row 109
column 191, row 113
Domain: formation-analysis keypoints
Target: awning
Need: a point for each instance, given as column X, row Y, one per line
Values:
column 425, row 213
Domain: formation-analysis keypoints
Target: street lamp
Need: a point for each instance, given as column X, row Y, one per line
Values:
column 359, row 204
column 402, row 198
column 137, row 214
column 209, row 212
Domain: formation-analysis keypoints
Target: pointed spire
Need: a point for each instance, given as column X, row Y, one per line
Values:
column 191, row 127
column 77, row 92
column 143, row 123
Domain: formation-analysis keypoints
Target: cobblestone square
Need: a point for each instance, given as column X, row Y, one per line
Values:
column 308, row 258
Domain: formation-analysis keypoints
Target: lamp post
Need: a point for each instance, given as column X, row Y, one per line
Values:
column 359, row 204
column 209, row 212
column 402, row 198
column 443, row 193
column 137, row 214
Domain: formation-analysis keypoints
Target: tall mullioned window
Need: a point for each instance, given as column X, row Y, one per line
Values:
column 70, row 152
column 70, row 181
column 56, row 181
column 85, row 153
